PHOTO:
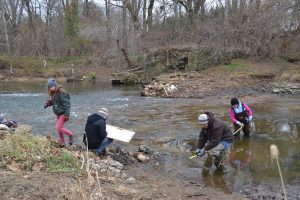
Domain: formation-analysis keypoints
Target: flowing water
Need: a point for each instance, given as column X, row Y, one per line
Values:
column 170, row 127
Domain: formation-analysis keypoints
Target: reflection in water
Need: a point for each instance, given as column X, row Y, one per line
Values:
column 240, row 154
column 217, row 180
column 170, row 126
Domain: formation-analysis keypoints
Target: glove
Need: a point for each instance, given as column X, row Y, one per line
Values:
column 239, row 123
column 47, row 104
column 249, row 118
column 200, row 152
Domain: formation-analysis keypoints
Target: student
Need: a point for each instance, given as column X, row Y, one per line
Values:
column 59, row 99
column 215, row 139
column 8, row 123
column 95, row 136
column 241, row 116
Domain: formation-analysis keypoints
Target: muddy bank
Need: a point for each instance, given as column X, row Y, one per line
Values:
column 242, row 78
column 121, row 174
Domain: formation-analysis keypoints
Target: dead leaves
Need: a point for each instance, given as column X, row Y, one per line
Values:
column 14, row 167
column 38, row 166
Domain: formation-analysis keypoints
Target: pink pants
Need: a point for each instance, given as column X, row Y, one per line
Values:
column 61, row 130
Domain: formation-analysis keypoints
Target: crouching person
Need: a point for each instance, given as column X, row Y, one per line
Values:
column 215, row 139
column 7, row 123
column 95, row 136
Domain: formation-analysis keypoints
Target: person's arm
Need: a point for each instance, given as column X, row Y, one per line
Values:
column 231, row 115
column 202, row 139
column 66, row 103
column 6, row 122
column 103, row 133
column 215, row 139
column 48, row 102
column 84, row 138
column 248, row 110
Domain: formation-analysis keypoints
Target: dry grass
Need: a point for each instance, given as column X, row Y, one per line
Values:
column 26, row 152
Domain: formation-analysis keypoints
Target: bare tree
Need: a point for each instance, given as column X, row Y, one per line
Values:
column 6, row 36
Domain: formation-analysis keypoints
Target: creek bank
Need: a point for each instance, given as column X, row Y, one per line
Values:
column 122, row 174
column 247, row 78
column 174, row 58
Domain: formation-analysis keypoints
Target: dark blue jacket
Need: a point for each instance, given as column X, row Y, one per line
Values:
column 95, row 131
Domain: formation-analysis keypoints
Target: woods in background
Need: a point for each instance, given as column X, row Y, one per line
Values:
column 60, row 28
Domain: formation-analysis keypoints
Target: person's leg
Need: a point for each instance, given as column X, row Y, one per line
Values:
column 246, row 130
column 103, row 145
column 219, row 154
column 207, row 164
column 60, row 126
column 236, row 127
column 219, row 160
column 60, row 134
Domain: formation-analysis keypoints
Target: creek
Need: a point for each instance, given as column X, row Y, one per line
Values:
column 169, row 126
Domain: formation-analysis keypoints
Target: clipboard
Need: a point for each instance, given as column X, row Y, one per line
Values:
column 120, row 134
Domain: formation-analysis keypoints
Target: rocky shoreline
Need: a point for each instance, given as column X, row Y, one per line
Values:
column 121, row 174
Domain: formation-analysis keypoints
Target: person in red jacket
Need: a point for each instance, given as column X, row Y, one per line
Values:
column 241, row 116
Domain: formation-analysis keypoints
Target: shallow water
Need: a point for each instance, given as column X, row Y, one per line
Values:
column 170, row 127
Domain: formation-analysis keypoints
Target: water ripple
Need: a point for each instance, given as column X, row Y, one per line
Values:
column 21, row 95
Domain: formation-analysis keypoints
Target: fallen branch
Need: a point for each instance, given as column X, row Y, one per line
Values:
column 196, row 195
column 130, row 70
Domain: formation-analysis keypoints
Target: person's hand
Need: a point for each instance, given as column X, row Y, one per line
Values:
column 47, row 104
column 66, row 117
column 239, row 123
column 200, row 152
column 250, row 118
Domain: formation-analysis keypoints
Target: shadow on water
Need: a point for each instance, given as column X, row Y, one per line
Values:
column 170, row 127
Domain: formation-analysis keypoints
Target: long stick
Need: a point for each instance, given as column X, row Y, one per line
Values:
column 275, row 155
column 193, row 156
column 237, row 130
column 283, row 188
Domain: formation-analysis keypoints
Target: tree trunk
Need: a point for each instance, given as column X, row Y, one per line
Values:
column 150, row 14
column 144, row 15
column 239, row 21
column 6, row 37
column 133, row 9
column 124, row 34
column 87, row 7
column 108, row 22
column 32, row 26
column 175, row 7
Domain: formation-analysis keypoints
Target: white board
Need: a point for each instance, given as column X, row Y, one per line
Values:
column 120, row 134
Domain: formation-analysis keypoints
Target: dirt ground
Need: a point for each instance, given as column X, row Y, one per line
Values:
column 46, row 185
column 245, row 77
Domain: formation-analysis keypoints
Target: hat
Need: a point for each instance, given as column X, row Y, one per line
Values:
column 203, row 119
column 234, row 101
column 104, row 111
column 51, row 82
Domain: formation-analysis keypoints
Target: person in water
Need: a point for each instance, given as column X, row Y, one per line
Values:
column 59, row 99
column 241, row 116
column 215, row 139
